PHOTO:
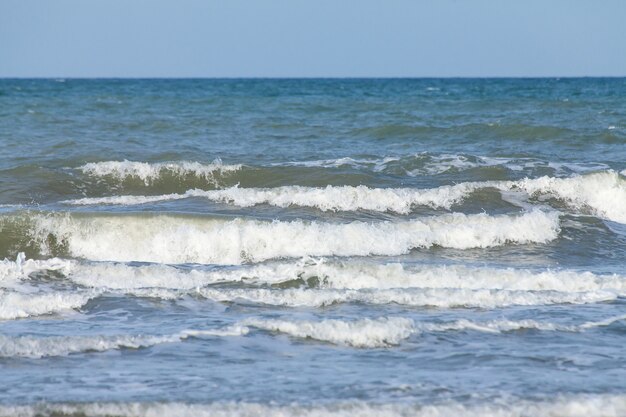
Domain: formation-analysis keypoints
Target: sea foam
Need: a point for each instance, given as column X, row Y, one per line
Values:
column 382, row 332
column 333, row 274
column 39, row 347
column 604, row 193
column 149, row 172
column 319, row 282
column 417, row 297
column 172, row 239
column 391, row 331
column 365, row 333
column 329, row 198
column 15, row 305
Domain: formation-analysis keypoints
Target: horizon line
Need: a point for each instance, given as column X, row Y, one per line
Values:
column 52, row 77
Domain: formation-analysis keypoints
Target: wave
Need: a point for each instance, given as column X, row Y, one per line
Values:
column 426, row 163
column 504, row 326
column 604, row 193
column 364, row 275
column 365, row 333
column 332, row 274
column 177, row 240
column 14, row 305
column 416, row 297
column 597, row 405
column 22, row 267
column 413, row 165
column 149, row 172
column 317, row 272
column 39, row 347
column 404, row 165
column 330, row 198
column 320, row 282
column 391, row 331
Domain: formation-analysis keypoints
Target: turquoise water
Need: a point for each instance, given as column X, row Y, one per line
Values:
column 313, row 247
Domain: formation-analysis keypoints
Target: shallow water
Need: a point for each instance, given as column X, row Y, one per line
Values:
column 313, row 247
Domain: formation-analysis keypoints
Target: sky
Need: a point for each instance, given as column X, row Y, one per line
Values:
column 315, row 38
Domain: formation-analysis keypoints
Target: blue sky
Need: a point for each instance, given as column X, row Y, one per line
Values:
column 316, row 38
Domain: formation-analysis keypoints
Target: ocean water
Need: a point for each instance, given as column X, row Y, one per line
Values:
column 418, row 247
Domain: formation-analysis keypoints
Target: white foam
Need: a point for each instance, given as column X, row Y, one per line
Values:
column 438, row 164
column 118, row 276
column 337, row 274
column 602, row 192
column 172, row 239
column 15, row 305
column 126, row 200
column 431, row 297
column 39, row 347
column 493, row 326
column 356, row 274
column 336, row 281
column 365, row 333
column 503, row 326
column 584, row 405
column 390, row 331
column 330, row 198
column 430, row 164
column 149, row 172
column 22, row 267
column 340, row 162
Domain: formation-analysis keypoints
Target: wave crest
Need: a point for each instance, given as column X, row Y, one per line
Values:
column 177, row 240
column 149, row 172
column 604, row 193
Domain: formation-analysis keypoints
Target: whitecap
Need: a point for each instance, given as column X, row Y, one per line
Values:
column 15, row 305
column 417, row 297
column 149, row 172
column 39, row 347
column 173, row 239
column 604, row 193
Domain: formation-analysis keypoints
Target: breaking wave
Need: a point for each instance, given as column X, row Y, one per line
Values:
column 330, row 198
column 416, row 297
column 39, row 347
column 365, row 333
column 317, row 273
column 604, row 193
column 426, row 163
column 15, row 305
column 176, row 239
column 149, row 172
column 331, row 274
column 22, row 267
column 381, row 332
column 390, row 331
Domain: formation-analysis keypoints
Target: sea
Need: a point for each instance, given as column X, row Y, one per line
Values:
column 313, row 247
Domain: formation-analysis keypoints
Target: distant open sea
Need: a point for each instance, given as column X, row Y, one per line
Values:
column 313, row 247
